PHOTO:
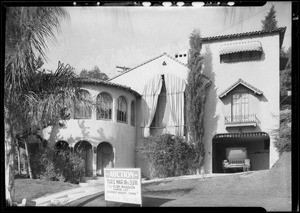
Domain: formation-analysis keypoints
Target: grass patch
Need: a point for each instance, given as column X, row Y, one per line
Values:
column 32, row 189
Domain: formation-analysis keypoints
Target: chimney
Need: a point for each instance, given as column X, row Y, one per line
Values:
column 182, row 56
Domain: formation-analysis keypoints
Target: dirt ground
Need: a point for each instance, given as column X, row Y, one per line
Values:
column 269, row 189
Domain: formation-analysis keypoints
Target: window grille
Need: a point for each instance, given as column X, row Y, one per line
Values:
column 83, row 107
column 122, row 110
column 104, row 106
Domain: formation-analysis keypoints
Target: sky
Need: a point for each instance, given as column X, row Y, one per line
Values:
column 128, row 36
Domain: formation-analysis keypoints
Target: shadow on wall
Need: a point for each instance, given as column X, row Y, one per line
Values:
column 210, row 117
column 84, row 132
column 54, row 133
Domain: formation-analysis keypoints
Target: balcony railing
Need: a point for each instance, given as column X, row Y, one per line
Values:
column 241, row 120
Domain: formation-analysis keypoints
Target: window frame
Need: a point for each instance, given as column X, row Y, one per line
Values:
column 122, row 114
column 240, row 107
column 242, row 56
column 78, row 106
column 106, row 110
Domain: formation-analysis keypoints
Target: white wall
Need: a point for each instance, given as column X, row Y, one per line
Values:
column 138, row 78
column 122, row 136
column 264, row 75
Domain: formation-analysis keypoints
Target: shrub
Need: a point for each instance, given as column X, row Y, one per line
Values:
column 57, row 165
column 283, row 135
column 168, row 155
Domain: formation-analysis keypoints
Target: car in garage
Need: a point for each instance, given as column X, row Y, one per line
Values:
column 236, row 160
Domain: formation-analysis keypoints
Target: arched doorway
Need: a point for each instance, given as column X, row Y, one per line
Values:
column 105, row 157
column 84, row 148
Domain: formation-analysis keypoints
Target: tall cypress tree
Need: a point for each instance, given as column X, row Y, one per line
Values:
column 270, row 22
column 195, row 95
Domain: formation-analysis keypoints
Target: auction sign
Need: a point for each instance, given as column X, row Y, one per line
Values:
column 123, row 185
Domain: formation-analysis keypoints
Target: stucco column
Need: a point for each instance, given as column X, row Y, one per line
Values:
column 114, row 110
column 94, row 161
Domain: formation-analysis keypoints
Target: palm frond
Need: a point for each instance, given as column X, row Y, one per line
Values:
column 27, row 31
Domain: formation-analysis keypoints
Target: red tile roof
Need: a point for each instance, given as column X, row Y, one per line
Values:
column 280, row 30
column 106, row 83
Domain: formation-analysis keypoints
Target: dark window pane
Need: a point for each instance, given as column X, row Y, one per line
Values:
column 121, row 110
column 104, row 106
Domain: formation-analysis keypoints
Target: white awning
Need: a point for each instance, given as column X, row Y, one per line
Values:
column 240, row 47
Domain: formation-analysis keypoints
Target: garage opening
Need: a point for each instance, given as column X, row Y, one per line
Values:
column 257, row 145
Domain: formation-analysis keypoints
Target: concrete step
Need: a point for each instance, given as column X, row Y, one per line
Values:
column 83, row 184
column 91, row 181
column 94, row 181
column 83, row 179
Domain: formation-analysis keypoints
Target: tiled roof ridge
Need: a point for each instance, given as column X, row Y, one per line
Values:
column 98, row 81
column 258, row 32
column 240, row 81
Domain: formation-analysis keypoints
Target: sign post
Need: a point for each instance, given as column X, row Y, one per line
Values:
column 123, row 185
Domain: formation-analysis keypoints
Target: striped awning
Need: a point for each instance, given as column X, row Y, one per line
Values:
column 240, row 47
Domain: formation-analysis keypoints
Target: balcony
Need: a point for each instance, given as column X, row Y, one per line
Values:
column 241, row 120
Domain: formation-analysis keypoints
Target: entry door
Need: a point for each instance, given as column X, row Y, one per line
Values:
column 105, row 157
column 85, row 150
column 240, row 109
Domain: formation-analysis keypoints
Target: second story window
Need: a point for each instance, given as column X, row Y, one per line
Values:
column 132, row 118
column 83, row 106
column 122, row 110
column 104, row 106
column 240, row 56
column 240, row 107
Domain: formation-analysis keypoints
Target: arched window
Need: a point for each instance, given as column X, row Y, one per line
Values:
column 83, row 106
column 104, row 106
column 132, row 110
column 61, row 145
column 122, row 110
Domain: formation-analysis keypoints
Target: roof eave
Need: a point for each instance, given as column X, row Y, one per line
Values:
column 106, row 83
column 255, row 91
column 280, row 30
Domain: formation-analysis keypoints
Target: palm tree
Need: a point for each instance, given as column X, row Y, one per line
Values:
column 33, row 98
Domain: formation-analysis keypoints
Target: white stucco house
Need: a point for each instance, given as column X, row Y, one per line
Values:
column 242, row 106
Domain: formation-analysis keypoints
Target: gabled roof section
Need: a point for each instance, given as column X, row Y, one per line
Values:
column 146, row 62
column 96, row 81
column 280, row 30
column 240, row 82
